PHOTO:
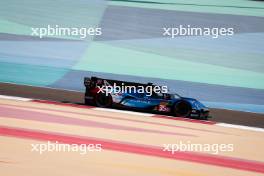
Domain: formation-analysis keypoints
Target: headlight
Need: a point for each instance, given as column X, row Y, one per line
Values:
column 193, row 111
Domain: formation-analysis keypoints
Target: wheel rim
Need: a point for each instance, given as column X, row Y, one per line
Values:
column 182, row 109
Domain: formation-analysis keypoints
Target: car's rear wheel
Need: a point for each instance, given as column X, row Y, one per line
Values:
column 102, row 100
column 182, row 109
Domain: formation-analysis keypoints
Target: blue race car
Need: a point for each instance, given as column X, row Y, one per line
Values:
column 141, row 97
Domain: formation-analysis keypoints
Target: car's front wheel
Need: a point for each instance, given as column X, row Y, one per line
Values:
column 182, row 109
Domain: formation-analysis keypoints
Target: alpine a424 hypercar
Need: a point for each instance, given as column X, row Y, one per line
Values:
column 148, row 97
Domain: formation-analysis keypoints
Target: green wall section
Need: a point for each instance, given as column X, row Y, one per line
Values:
column 242, row 51
column 10, row 27
column 235, row 7
column 14, row 28
column 103, row 57
column 18, row 17
column 30, row 74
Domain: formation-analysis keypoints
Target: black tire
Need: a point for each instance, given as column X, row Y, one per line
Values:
column 182, row 109
column 203, row 118
column 101, row 100
column 87, row 101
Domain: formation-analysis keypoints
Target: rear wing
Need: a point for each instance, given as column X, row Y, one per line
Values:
column 92, row 82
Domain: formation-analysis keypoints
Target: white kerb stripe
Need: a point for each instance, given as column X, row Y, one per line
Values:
column 14, row 98
column 123, row 111
column 240, row 127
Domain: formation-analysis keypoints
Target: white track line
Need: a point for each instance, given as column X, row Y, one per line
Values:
column 14, row 98
column 123, row 111
column 240, row 127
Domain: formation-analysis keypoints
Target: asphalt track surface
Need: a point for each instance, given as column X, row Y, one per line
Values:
column 131, row 143
column 218, row 115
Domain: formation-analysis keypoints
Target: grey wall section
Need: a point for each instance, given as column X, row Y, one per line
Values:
column 121, row 23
